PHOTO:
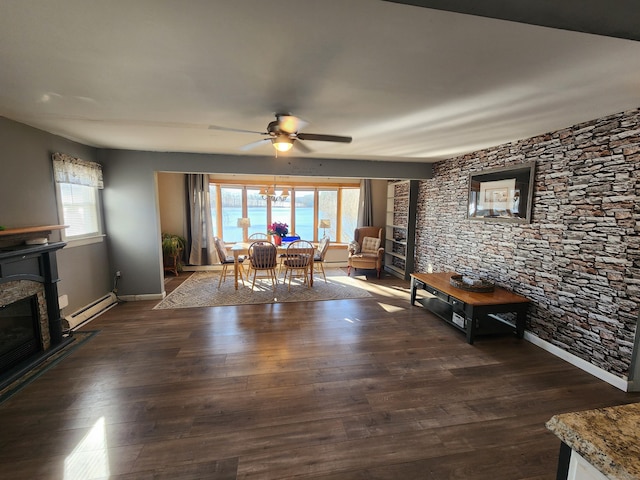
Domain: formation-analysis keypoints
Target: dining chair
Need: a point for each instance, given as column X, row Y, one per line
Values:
column 318, row 258
column 281, row 257
column 254, row 237
column 226, row 260
column 298, row 261
column 264, row 258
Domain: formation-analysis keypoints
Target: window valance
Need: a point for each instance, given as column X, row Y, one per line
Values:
column 68, row 169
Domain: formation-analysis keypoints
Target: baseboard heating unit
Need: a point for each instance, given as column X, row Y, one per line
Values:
column 91, row 311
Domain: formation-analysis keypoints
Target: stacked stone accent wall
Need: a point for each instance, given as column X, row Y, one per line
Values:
column 579, row 258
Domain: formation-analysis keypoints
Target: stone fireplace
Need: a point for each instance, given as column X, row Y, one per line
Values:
column 30, row 323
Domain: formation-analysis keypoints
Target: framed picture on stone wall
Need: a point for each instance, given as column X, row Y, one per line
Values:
column 502, row 194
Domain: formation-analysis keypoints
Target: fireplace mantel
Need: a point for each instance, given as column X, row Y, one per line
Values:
column 37, row 229
column 16, row 236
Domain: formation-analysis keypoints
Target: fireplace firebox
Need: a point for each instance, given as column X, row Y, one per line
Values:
column 19, row 332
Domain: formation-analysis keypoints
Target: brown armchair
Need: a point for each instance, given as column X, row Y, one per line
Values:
column 368, row 254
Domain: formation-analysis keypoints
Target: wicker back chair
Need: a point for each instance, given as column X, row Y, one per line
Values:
column 263, row 257
column 299, row 261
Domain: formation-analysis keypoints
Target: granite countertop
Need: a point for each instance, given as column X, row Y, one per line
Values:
column 608, row 438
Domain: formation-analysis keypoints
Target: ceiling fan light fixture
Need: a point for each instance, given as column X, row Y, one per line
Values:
column 282, row 143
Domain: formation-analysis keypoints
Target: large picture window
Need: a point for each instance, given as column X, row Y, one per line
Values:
column 328, row 210
column 256, row 212
column 231, row 209
column 305, row 202
column 302, row 210
column 348, row 213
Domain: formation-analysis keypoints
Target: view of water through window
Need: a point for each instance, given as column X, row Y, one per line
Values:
column 232, row 233
column 230, row 209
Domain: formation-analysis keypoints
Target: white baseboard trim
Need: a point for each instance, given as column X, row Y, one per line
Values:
column 597, row 372
column 91, row 311
column 145, row 296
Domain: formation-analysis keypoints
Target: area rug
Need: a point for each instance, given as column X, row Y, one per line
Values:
column 201, row 290
column 80, row 338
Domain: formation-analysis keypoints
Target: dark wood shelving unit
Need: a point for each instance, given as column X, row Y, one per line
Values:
column 402, row 201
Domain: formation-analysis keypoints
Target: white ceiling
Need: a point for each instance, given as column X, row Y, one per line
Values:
column 407, row 83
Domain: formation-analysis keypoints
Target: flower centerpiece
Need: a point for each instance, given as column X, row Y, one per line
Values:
column 279, row 230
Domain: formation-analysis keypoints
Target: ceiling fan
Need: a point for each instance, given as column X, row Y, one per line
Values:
column 283, row 133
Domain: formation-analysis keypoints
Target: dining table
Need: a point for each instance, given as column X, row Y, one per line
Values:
column 242, row 248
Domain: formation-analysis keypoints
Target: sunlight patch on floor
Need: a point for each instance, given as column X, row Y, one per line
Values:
column 90, row 459
column 391, row 308
column 391, row 292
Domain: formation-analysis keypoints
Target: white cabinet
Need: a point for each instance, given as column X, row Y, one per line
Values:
column 580, row 469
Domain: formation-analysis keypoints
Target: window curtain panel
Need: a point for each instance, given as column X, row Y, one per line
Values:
column 68, row 169
column 203, row 250
column 365, row 210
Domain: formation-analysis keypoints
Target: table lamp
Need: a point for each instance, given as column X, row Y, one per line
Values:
column 324, row 224
column 244, row 223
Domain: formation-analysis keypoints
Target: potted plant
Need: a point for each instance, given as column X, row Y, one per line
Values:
column 278, row 230
column 172, row 248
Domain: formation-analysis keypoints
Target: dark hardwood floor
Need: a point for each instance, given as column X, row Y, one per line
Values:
column 351, row 389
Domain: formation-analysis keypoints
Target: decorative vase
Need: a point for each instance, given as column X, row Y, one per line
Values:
column 277, row 239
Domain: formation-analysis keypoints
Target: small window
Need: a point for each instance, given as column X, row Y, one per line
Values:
column 77, row 183
column 79, row 208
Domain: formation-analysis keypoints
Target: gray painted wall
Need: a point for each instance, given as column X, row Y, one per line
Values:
column 131, row 199
column 27, row 198
column 133, row 222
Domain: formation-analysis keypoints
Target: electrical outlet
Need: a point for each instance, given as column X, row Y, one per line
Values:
column 118, row 274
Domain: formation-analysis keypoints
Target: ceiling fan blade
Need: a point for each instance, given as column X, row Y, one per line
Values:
column 301, row 146
column 226, row 129
column 290, row 124
column 324, row 138
column 251, row 145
